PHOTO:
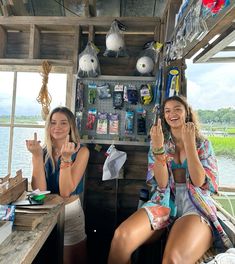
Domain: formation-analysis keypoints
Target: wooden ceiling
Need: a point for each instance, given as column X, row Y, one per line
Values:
column 114, row 8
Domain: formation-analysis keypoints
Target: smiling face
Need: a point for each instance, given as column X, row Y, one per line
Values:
column 174, row 114
column 59, row 126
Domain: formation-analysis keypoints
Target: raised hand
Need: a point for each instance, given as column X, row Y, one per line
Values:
column 188, row 134
column 156, row 135
column 34, row 146
column 68, row 148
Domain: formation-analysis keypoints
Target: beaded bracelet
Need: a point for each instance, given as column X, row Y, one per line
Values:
column 158, row 151
column 66, row 161
column 64, row 165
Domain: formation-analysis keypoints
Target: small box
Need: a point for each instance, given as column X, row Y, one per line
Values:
column 13, row 188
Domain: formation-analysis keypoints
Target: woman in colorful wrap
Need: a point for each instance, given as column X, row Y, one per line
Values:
column 59, row 167
column 182, row 171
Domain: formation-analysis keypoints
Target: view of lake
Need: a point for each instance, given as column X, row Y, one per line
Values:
column 22, row 158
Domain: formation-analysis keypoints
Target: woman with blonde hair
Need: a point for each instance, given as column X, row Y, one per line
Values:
column 59, row 166
column 182, row 172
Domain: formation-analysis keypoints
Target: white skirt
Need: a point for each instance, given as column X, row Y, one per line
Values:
column 74, row 225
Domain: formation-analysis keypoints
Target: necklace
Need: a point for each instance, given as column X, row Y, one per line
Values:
column 57, row 151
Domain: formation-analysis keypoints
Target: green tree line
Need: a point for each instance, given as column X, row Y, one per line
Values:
column 220, row 116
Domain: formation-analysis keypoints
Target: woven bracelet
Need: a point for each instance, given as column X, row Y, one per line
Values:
column 158, row 151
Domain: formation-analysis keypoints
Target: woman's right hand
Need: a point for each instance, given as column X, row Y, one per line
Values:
column 156, row 135
column 34, row 146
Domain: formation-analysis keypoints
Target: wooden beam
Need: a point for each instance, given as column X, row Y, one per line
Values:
column 221, row 60
column 137, row 24
column 34, row 42
column 76, row 48
column 229, row 48
column 91, row 34
column 35, row 62
column 3, row 42
column 221, row 42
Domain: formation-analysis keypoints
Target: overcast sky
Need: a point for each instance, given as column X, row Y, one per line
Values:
column 210, row 85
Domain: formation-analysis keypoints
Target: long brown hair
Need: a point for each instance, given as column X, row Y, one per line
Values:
column 191, row 116
column 73, row 134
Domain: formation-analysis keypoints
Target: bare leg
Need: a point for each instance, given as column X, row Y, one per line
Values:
column 188, row 240
column 76, row 253
column 131, row 234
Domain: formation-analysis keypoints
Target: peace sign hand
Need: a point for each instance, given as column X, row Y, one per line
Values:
column 68, row 148
column 156, row 135
column 34, row 146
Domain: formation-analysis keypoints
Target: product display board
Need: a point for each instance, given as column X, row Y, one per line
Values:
column 115, row 109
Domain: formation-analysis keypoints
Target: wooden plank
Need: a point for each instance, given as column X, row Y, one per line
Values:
column 226, row 38
column 35, row 62
column 137, row 24
column 3, row 42
column 14, row 192
column 32, row 68
column 135, row 171
column 34, row 42
column 17, row 45
column 23, row 246
column 76, row 47
column 91, row 35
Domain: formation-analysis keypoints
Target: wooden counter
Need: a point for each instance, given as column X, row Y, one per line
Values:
column 27, row 246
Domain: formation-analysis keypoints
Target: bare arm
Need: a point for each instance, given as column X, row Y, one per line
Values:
column 38, row 176
column 159, row 168
column 70, row 176
column 196, row 170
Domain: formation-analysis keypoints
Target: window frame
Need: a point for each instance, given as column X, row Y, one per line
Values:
column 69, row 100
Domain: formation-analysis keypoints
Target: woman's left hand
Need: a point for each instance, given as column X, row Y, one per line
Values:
column 68, row 148
column 188, row 134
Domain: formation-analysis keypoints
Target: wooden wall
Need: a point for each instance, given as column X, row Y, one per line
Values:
column 108, row 203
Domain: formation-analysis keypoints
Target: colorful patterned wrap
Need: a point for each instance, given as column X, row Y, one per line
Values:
column 200, row 196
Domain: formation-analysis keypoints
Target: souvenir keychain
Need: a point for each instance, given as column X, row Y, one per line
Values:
column 113, row 124
column 102, row 123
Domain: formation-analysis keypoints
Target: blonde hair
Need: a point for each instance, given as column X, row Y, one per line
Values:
column 74, row 135
column 191, row 116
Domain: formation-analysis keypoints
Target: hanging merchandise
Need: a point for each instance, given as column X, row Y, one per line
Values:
column 118, row 96
column 102, row 123
column 104, row 91
column 144, row 65
column 79, row 95
column 125, row 96
column 113, row 124
column 113, row 163
column 132, row 94
column 79, row 116
column 141, row 121
column 172, row 82
column 129, row 122
column 148, row 58
column 146, row 94
column 92, row 91
column 157, row 94
column 91, row 118
column 88, row 61
column 115, row 45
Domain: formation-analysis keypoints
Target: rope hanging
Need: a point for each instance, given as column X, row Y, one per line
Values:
column 44, row 97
